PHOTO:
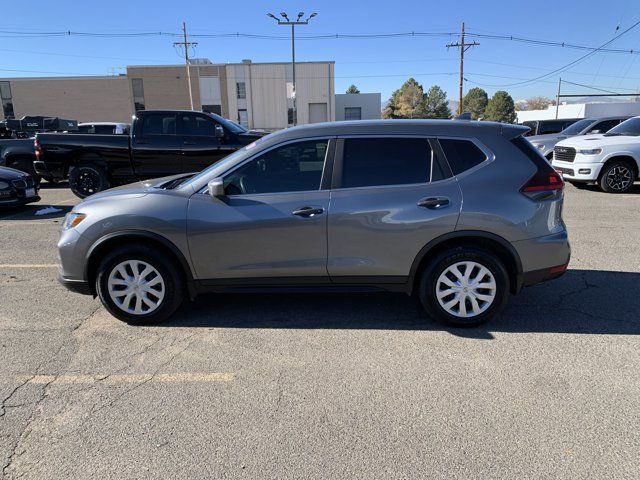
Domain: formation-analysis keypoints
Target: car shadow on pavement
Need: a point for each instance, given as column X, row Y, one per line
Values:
column 580, row 302
column 35, row 211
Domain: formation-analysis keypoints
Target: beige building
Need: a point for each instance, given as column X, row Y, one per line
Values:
column 257, row 95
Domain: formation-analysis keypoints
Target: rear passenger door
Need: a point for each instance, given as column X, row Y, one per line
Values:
column 390, row 197
column 155, row 147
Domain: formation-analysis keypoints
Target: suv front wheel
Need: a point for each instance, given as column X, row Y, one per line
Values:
column 138, row 285
column 464, row 287
column 617, row 177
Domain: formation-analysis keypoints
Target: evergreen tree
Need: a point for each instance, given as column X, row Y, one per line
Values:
column 475, row 102
column 435, row 104
column 501, row 108
column 352, row 89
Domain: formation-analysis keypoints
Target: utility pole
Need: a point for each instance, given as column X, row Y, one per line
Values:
column 186, row 44
column 293, row 50
column 463, row 48
column 558, row 96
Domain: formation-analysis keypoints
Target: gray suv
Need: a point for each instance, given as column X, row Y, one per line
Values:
column 457, row 213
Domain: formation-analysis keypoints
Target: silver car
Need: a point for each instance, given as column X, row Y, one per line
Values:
column 586, row 126
column 457, row 213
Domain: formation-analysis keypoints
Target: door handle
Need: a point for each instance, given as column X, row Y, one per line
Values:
column 187, row 142
column 433, row 203
column 308, row 211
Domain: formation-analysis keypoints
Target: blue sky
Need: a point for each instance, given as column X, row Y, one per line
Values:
column 378, row 65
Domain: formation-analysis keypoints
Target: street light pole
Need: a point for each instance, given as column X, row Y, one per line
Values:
column 293, row 24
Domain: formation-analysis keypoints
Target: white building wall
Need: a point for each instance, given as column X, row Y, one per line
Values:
column 581, row 110
column 268, row 96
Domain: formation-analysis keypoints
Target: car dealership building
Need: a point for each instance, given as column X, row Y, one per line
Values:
column 256, row 95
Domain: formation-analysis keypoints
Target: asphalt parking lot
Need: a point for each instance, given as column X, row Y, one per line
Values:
column 325, row 386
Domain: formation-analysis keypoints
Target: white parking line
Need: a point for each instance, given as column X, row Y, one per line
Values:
column 28, row 265
column 134, row 378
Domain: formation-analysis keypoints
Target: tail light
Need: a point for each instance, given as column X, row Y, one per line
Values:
column 36, row 146
column 545, row 184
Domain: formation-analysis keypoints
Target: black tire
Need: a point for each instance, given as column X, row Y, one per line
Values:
column 26, row 165
column 617, row 177
column 168, row 270
column 85, row 180
column 439, row 264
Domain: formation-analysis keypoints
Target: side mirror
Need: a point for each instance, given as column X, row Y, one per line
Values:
column 219, row 131
column 215, row 187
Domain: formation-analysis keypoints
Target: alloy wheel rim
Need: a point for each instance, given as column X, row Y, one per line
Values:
column 619, row 178
column 88, row 183
column 466, row 289
column 136, row 287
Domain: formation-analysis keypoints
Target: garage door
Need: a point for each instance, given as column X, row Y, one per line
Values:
column 317, row 112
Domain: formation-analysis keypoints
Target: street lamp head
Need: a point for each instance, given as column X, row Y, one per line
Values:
column 273, row 16
column 300, row 15
column 312, row 15
column 284, row 15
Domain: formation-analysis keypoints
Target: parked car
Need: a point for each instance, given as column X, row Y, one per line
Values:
column 16, row 188
column 162, row 142
column 586, row 126
column 16, row 143
column 611, row 160
column 105, row 128
column 546, row 127
column 459, row 213
column 18, row 153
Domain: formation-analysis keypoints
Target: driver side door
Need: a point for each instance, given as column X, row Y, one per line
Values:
column 271, row 224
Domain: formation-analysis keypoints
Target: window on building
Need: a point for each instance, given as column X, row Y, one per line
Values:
column 291, row 116
column 243, row 118
column 352, row 113
column 385, row 161
column 7, row 101
column 462, row 154
column 159, row 124
column 138, row 94
column 291, row 168
column 217, row 109
column 241, row 89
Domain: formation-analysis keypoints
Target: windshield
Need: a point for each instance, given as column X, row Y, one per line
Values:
column 228, row 125
column 576, row 128
column 629, row 127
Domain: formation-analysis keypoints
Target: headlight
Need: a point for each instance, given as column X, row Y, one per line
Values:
column 590, row 151
column 72, row 220
column 3, row 185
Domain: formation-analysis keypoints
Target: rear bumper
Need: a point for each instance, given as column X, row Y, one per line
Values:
column 543, row 258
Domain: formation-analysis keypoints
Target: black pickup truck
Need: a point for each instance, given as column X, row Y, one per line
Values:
column 161, row 143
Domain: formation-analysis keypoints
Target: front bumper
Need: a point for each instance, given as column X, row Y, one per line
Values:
column 578, row 171
column 76, row 286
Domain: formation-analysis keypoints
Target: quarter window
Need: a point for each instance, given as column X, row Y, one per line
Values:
column 291, row 168
column 462, row 154
column 385, row 161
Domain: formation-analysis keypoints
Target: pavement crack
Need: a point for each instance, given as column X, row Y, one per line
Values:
column 3, row 407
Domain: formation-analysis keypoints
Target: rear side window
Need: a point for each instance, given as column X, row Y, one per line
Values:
column 532, row 154
column 159, row 124
column 462, row 155
column 369, row 162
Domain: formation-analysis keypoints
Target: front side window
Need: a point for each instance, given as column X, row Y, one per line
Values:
column 369, row 162
column 294, row 167
column 197, row 125
column 159, row 124
column 604, row 126
column 629, row 127
column 462, row 155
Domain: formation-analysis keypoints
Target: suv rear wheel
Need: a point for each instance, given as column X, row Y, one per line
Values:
column 139, row 285
column 617, row 177
column 464, row 286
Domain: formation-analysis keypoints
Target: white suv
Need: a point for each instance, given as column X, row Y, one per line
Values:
column 611, row 160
